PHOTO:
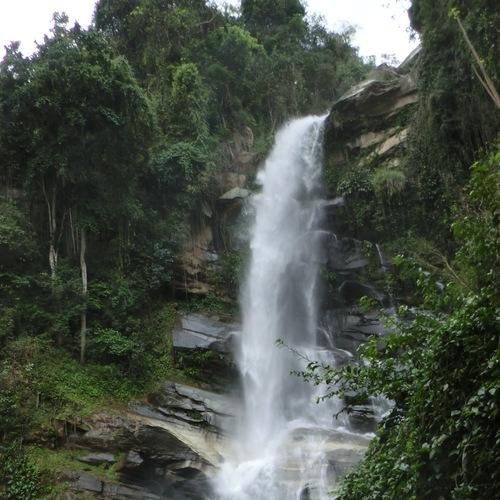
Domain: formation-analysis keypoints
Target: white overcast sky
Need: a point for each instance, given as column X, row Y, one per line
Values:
column 382, row 25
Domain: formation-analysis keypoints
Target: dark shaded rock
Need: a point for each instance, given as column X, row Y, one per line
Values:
column 131, row 461
column 87, row 482
column 347, row 328
column 204, row 345
column 122, row 491
column 333, row 208
column 93, row 487
column 351, row 291
column 362, row 418
column 345, row 254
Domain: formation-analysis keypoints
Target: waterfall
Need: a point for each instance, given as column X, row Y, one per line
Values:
column 278, row 452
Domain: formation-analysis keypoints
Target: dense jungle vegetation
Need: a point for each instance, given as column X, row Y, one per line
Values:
column 112, row 139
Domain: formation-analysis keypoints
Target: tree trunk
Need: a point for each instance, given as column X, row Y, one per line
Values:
column 484, row 78
column 51, row 214
column 83, row 316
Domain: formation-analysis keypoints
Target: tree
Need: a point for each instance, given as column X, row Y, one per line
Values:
column 279, row 21
column 89, row 124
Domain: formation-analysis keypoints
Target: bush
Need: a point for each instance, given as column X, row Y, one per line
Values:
column 18, row 475
column 387, row 182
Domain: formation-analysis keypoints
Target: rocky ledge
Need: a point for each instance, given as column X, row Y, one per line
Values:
column 166, row 447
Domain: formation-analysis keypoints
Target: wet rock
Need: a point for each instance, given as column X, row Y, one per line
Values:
column 195, row 406
column 345, row 254
column 121, row 491
column 351, row 291
column 132, row 460
column 362, row 418
column 201, row 332
column 343, row 460
column 348, row 328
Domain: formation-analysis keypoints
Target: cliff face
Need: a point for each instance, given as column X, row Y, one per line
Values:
column 365, row 138
column 365, row 141
column 368, row 125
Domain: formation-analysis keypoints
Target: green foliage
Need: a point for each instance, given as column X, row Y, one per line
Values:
column 110, row 345
column 16, row 235
column 388, row 181
column 439, row 365
column 279, row 22
column 211, row 304
column 478, row 230
column 455, row 120
column 18, row 475
column 51, row 464
column 183, row 168
column 187, row 112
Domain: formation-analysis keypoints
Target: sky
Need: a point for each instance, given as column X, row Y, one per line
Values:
column 382, row 25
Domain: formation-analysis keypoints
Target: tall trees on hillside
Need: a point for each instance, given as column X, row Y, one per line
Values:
column 258, row 68
column 86, row 125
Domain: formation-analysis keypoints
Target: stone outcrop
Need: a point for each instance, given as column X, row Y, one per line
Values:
column 367, row 124
column 198, row 331
column 366, row 132
column 168, row 446
column 213, row 232
column 205, row 346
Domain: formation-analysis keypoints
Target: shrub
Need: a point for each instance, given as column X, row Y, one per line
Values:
column 387, row 182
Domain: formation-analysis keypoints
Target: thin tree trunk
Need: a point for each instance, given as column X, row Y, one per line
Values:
column 51, row 214
column 485, row 80
column 83, row 316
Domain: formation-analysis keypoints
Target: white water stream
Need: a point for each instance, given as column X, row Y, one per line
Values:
column 280, row 449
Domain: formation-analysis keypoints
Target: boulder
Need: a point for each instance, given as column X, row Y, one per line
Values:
column 98, row 458
column 89, row 486
column 197, row 331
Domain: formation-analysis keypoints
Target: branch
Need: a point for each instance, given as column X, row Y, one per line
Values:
column 486, row 81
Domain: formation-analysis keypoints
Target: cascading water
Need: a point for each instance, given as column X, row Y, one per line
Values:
column 278, row 451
